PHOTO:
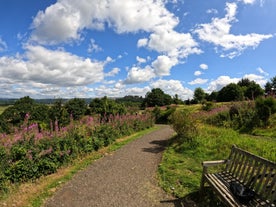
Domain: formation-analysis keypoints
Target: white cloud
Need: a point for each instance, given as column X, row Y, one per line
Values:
column 220, row 82
column 248, row 1
column 139, row 75
column 198, row 81
column 261, row 71
column 257, row 78
column 3, row 45
column 65, row 20
column 203, row 66
column 140, row 60
column 173, row 87
column 172, row 43
column 142, row 42
column 212, row 11
column 218, row 33
column 197, row 73
column 113, row 72
column 50, row 67
column 163, row 64
column 93, row 47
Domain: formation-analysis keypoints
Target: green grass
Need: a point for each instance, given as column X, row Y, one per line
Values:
column 3, row 108
column 180, row 170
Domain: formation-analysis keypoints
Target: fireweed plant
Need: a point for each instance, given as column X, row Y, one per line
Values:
column 31, row 152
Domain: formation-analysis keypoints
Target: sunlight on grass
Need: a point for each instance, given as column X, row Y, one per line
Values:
column 180, row 170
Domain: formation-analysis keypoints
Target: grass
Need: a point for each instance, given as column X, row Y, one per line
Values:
column 3, row 108
column 180, row 170
column 34, row 194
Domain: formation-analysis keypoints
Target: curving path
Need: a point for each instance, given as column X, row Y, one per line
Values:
column 125, row 178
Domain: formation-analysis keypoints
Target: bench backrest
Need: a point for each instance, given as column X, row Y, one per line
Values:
column 253, row 171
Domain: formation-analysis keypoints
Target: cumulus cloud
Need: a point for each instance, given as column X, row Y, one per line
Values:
column 139, row 75
column 65, row 20
column 218, row 33
column 163, row 64
column 42, row 68
column 173, row 87
column 198, row 81
column 261, row 80
column 203, row 66
column 197, row 73
column 220, row 82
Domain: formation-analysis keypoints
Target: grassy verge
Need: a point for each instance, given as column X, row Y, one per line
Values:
column 34, row 194
column 180, row 170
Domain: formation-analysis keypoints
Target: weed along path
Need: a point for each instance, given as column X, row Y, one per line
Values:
column 124, row 178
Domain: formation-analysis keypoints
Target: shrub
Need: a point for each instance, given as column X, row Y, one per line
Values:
column 183, row 124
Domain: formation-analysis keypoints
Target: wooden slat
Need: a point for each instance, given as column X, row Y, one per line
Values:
column 253, row 171
column 265, row 190
column 260, row 185
column 243, row 169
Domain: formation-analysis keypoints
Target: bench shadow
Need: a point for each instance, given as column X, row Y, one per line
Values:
column 158, row 146
column 194, row 199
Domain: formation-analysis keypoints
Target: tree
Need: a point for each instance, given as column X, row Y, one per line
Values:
column 76, row 107
column 106, row 107
column 58, row 113
column 231, row 92
column 157, row 98
column 270, row 87
column 251, row 89
column 199, row 95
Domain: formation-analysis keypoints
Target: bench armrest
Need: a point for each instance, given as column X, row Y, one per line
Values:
column 213, row 163
column 207, row 164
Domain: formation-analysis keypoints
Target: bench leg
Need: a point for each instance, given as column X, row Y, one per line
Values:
column 201, row 190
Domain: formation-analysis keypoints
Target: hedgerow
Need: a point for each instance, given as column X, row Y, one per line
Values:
column 31, row 152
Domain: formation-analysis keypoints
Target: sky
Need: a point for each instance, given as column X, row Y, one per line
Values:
column 114, row 48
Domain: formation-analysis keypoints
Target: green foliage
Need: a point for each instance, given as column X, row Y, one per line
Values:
column 30, row 153
column 76, row 107
column 162, row 116
column 207, row 106
column 270, row 87
column 184, row 124
column 231, row 92
column 265, row 107
column 106, row 107
column 199, row 95
column 180, row 170
column 157, row 97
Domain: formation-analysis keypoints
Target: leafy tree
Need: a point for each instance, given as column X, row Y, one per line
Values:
column 212, row 96
column 270, row 87
column 199, row 95
column 251, row 89
column 58, row 113
column 231, row 92
column 106, row 107
column 176, row 100
column 76, row 107
column 157, row 97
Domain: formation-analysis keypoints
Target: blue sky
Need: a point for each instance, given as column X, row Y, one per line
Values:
column 96, row 48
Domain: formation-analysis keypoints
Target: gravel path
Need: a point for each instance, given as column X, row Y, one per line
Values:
column 125, row 178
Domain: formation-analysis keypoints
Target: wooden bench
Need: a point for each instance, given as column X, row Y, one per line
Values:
column 254, row 172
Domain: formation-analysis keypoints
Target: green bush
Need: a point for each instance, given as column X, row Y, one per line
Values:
column 183, row 124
